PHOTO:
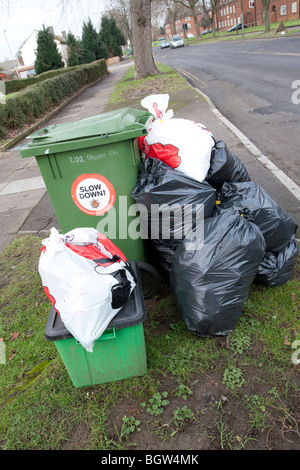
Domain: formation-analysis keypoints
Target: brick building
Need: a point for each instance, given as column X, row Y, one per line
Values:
column 230, row 13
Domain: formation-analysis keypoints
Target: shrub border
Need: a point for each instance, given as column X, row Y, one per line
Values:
column 43, row 120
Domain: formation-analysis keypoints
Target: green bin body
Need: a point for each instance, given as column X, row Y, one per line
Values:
column 118, row 354
column 90, row 168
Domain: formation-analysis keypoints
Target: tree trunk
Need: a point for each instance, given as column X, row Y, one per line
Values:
column 196, row 22
column 140, row 11
column 266, row 4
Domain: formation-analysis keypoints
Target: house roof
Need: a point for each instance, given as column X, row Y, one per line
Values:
column 35, row 31
column 8, row 65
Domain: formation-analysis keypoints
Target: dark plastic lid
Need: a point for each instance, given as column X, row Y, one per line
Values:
column 132, row 314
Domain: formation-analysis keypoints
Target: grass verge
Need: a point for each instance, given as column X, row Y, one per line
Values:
column 237, row 392
column 132, row 91
column 252, row 32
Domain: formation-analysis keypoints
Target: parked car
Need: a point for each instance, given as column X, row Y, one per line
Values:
column 164, row 44
column 176, row 41
column 236, row 27
column 128, row 51
column 206, row 31
column 31, row 73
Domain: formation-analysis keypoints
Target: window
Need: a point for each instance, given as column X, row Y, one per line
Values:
column 233, row 8
column 251, row 4
column 231, row 21
column 225, row 23
column 294, row 7
column 283, row 10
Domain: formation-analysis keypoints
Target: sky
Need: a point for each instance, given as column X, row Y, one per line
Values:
column 19, row 18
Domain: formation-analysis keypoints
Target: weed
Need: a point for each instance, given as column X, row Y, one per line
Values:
column 156, row 403
column 233, row 377
column 130, row 425
column 239, row 342
column 182, row 414
column 183, row 391
column 256, row 407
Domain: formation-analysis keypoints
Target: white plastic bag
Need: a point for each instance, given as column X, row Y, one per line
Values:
column 87, row 280
column 182, row 144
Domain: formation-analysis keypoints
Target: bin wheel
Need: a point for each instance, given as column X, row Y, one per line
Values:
column 150, row 279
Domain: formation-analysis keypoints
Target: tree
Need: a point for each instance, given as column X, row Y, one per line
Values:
column 92, row 46
column 211, row 6
column 265, row 4
column 120, row 11
column 102, row 51
column 172, row 11
column 74, row 50
column 89, row 40
column 205, row 20
column 47, row 55
column 140, row 12
column 192, row 6
column 111, row 36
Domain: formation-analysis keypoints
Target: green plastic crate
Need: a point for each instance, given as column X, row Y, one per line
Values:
column 118, row 354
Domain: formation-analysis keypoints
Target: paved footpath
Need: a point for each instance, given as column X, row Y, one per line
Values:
column 24, row 203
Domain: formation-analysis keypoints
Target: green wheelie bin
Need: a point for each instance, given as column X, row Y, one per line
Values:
column 90, row 168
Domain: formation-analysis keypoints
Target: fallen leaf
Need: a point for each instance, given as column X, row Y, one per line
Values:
column 294, row 298
column 14, row 335
column 286, row 342
column 11, row 355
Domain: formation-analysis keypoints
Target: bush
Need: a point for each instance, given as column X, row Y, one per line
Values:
column 3, row 118
column 36, row 99
column 14, row 115
column 13, row 86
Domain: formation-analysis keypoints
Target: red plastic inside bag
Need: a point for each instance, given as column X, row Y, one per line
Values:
column 166, row 153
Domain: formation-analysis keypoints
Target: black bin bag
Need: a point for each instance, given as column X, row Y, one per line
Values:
column 252, row 200
column 225, row 166
column 276, row 268
column 211, row 283
column 173, row 205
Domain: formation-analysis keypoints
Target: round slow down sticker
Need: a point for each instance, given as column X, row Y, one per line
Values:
column 93, row 194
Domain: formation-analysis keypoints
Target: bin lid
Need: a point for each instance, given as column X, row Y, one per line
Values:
column 132, row 314
column 113, row 122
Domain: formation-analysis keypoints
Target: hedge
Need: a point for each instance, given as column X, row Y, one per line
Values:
column 36, row 99
column 15, row 85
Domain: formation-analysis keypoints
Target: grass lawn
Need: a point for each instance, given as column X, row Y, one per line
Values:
column 236, row 392
column 253, row 32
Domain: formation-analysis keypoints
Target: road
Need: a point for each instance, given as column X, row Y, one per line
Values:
column 251, row 83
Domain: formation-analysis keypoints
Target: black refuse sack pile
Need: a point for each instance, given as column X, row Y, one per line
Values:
column 223, row 234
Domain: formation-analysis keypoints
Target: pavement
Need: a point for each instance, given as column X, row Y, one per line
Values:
column 25, row 207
